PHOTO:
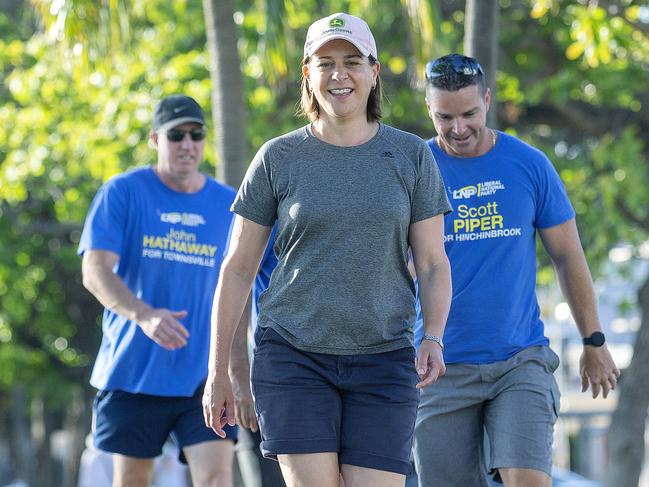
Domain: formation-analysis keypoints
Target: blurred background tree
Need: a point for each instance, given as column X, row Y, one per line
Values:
column 80, row 79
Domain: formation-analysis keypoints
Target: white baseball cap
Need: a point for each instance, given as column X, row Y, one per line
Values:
column 340, row 26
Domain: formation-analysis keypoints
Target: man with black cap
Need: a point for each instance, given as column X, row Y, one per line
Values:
column 152, row 247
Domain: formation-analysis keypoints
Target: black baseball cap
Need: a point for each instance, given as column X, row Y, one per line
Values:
column 175, row 110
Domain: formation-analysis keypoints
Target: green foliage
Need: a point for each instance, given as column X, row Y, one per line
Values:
column 70, row 118
column 608, row 198
column 574, row 85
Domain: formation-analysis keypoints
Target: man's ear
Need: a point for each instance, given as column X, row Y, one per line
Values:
column 428, row 110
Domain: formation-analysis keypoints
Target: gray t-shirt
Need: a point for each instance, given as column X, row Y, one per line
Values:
column 342, row 284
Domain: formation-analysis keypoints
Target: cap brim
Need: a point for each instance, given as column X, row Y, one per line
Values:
column 178, row 121
column 317, row 45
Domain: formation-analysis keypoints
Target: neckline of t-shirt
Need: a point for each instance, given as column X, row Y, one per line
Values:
column 484, row 157
column 367, row 143
column 182, row 194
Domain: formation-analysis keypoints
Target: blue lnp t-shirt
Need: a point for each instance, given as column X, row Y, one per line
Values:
column 500, row 199
column 170, row 246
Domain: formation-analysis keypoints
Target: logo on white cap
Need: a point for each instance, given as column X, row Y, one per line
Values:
column 340, row 26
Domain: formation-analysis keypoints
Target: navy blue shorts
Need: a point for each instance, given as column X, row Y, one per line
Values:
column 137, row 425
column 361, row 406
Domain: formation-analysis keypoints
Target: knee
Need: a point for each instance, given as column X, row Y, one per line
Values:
column 130, row 472
column 131, row 479
column 524, row 477
column 217, row 475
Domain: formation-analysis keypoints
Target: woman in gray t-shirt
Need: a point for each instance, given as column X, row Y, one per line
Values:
column 334, row 374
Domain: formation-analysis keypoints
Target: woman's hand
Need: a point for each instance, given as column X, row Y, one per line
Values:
column 218, row 403
column 430, row 363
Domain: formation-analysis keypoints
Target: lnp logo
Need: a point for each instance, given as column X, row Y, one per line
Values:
column 189, row 219
column 465, row 192
column 486, row 188
column 337, row 23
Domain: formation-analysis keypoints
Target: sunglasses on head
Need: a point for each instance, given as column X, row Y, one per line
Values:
column 453, row 63
column 176, row 135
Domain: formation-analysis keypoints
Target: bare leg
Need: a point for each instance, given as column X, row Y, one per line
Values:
column 524, row 477
column 210, row 463
column 310, row 469
column 360, row 476
column 131, row 471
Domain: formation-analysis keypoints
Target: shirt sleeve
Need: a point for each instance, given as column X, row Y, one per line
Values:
column 553, row 205
column 106, row 219
column 429, row 198
column 256, row 199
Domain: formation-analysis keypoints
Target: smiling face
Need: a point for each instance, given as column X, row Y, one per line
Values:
column 341, row 80
column 460, row 119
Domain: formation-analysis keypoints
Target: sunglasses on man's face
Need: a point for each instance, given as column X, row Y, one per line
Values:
column 176, row 135
column 457, row 64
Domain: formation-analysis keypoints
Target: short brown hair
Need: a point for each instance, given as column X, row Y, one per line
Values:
column 310, row 108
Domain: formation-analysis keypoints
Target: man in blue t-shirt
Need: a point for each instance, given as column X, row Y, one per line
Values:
column 499, row 375
column 152, row 246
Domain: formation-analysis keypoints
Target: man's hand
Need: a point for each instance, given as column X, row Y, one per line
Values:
column 244, row 408
column 598, row 370
column 429, row 362
column 218, row 403
column 163, row 327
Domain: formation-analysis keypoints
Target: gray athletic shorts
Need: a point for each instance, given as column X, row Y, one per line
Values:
column 516, row 401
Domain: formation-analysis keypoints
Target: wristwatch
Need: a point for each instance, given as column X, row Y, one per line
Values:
column 597, row 339
column 436, row 339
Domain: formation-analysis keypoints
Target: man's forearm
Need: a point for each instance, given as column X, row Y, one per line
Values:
column 111, row 292
column 577, row 287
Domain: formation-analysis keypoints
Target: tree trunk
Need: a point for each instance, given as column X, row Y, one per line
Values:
column 626, row 434
column 228, row 109
column 481, row 42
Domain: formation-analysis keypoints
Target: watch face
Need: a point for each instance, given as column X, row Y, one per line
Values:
column 597, row 339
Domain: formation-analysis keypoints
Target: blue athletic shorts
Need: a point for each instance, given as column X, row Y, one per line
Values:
column 361, row 406
column 137, row 425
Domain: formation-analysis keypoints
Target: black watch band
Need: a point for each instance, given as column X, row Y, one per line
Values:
column 597, row 339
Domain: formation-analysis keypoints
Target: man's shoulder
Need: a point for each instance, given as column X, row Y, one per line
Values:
column 135, row 175
column 519, row 146
column 124, row 183
column 219, row 188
